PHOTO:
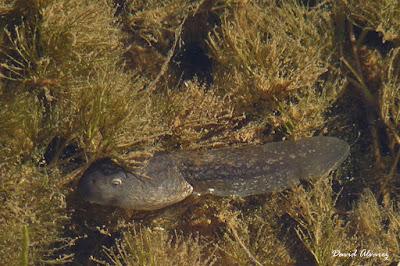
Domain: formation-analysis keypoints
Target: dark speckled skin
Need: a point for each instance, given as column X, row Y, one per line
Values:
column 241, row 171
column 251, row 170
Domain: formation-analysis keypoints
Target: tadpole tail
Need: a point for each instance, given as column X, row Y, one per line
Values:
column 252, row 170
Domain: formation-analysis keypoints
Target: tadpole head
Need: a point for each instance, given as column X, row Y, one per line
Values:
column 102, row 182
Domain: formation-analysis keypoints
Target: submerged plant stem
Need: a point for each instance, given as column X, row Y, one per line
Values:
column 237, row 238
column 25, row 246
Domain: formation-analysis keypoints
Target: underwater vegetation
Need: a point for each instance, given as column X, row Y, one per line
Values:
column 82, row 80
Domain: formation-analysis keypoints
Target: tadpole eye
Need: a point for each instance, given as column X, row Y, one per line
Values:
column 116, row 181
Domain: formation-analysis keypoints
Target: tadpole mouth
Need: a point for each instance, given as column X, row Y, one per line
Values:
column 86, row 190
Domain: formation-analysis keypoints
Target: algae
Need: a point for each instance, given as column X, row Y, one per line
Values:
column 83, row 80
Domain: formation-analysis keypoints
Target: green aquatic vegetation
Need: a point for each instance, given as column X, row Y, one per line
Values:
column 158, row 247
column 198, row 117
column 280, row 75
column 319, row 226
column 32, row 205
column 390, row 107
column 381, row 16
column 120, row 81
column 25, row 246
column 377, row 228
column 153, row 29
column 255, row 239
column 95, row 97
column 70, row 62
column 323, row 228
column 20, row 123
column 370, row 65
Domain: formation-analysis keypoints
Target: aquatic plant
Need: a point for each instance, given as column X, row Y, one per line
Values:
column 82, row 80
column 32, row 217
column 158, row 247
